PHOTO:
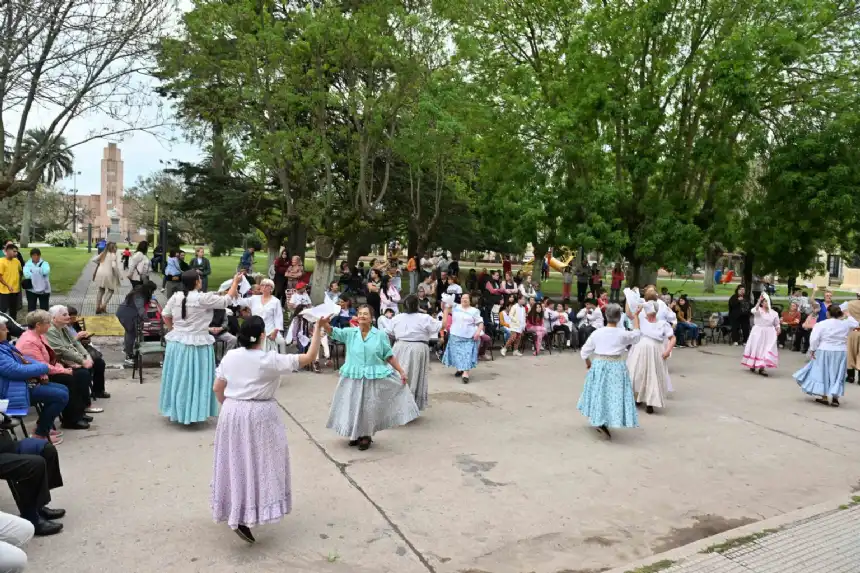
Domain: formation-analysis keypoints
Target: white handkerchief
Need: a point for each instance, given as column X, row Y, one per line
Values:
column 809, row 285
column 326, row 309
column 633, row 300
column 244, row 286
column 448, row 299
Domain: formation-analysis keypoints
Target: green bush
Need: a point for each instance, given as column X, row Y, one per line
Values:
column 61, row 239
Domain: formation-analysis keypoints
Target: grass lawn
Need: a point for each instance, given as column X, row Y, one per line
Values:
column 66, row 265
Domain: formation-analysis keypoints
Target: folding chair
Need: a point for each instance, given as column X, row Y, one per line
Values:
column 143, row 347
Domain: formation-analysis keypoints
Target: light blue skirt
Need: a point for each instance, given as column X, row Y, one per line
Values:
column 607, row 398
column 186, row 383
column 824, row 376
column 461, row 353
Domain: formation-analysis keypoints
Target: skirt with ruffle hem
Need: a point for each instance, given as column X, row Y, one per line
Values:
column 824, row 376
column 362, row 407
column 760, row 350
column 251, row 476
column 607, row 398
column 186, row 383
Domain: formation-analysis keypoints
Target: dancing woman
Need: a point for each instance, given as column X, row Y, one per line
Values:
column 607, row 398
column 370, row 397
column 646, row 360
column 251, row 475
column 268, row 307
column 761, row 349
column 824, row 374
column 189, row 361
column 412, row 330
column 461, row 352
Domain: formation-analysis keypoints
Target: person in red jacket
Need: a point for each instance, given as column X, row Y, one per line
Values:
column 282, row 263
column 617, row 280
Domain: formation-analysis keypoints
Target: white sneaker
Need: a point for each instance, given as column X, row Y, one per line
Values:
column 734, row 344
column 162, row 290
column 504, row 351
column 518, row 353
column 568, row 343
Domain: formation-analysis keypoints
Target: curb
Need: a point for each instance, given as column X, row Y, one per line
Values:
column 679, row 554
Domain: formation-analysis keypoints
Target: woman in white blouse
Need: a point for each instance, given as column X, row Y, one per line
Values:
column 251, row 478
column 646, row 360
column 189, row 360
column 527, row 289
column 590, row 319
column 607, row 398
column 268, row 307
column 461, row 352
column 824, row 374
column 412, row 330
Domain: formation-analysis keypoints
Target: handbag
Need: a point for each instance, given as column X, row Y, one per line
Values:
column 27, row 284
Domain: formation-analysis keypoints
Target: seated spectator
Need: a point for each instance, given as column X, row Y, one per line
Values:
column 665, row 296
column 300, row 297
column 504, row 320
column 32, row 467
column 384, row 322
column 806, row 329
column 423, row 301
column 454, row 288
column 98, row 370
column 347, row 313
column 16, row 373
column 71, row 352
column 333, row 293
column 34, row 345
column 602, row 300
column 789, row 322
column 526, row 288
column 131, row 312
column 486, row 343
column 15, row 532
column 590, row 319
column 219, row 328
column 686, row 331
column 561, row 323
column 534, row 325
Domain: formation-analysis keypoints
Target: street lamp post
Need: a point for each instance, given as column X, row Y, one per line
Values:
column 75, row 203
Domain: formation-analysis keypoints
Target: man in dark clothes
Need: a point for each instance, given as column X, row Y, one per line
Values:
column 32, row 468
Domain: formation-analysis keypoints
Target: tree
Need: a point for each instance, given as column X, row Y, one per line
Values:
column 165, row 189
column 60, row 164
column 66, row 59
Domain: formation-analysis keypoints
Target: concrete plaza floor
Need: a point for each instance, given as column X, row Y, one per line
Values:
column 500, row 476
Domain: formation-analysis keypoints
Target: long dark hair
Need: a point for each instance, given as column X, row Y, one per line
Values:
column 144, row 290
column 142, row 247
column 251, row 332
column 189, row 283
column 533, row 312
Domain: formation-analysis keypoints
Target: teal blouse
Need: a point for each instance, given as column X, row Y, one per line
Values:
column 365, row 357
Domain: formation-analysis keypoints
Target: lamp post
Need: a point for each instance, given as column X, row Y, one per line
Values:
column 155, row 224
column 75, row 202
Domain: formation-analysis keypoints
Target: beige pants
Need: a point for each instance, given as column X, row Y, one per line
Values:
column 104, row 296
column 14, row 532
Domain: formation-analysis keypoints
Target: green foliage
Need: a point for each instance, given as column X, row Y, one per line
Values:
column 61, row 239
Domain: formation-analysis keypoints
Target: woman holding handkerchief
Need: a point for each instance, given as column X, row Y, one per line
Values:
column 268, row 307
column 461, row 352
column 370, row 396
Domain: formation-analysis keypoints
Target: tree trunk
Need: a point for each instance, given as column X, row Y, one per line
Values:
column 297, row 243
column 26, row 218
column 539, row 252
column 641, row 275
column 273, row 249
column 324, row 270
column 710, row 267
column 358, row 246
column 749, row 261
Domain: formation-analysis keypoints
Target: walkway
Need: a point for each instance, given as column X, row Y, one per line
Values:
column 84, row 293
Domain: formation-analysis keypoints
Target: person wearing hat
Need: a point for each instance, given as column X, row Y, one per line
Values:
column 300, row 297
column 590, row 319
column 761, row 350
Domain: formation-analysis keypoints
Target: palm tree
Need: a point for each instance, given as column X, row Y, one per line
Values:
column 58, row 164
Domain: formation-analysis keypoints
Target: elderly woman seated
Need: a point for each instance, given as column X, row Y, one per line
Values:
column 34, row 345
column 72, row 353
column 30, row 378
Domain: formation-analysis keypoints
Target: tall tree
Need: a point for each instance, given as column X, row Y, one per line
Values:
column 59, row 164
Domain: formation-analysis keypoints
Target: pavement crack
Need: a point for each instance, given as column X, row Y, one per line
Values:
column 787, row 434
column 829, row 423
column 343, row 467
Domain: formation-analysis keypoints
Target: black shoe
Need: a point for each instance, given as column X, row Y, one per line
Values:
column 103, row 395
column 87, row 418
column 353, row 443
column 605, row 431
column 465, row 379
column 458, row 373
column 52, row 514
column 45, row 527
column 79, row 425
column 364, row 443
column 762, row 372
column 650, row 409
column 834, row 402
column 245, row 533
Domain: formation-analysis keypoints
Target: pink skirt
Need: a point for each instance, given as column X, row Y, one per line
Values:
column 251, row 477
column 761, row 351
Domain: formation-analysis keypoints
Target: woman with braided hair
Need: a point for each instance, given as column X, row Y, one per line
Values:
column 189, row 361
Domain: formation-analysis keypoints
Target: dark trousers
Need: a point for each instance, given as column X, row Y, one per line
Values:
column 10, row 303
column 584, row 333
column 783, row 333
column 32, row 468
column 801, row 339
column 78, row 383
column 581, row 291
column 756, row 294
column 42, row 299
column 740, row 324
column 98, row 376
column 134, row 283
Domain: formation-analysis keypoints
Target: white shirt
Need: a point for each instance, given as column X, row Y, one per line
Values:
column 550, row 319
column 831, row 334
column 609, row 342
column 454, row 289
column 194, row 328
column 465, row 322
column 332, row 296
column 416, row 327
column 427, row 264
column 517, row 318
column 527, row 291
column 592, row 318
column 389, row 300
column 254, row 374
column 300, row 299
column 383, row 322
column 666, row 313
column 659, row 331
column 271, row 312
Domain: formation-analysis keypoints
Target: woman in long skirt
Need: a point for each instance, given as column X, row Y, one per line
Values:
column 370, row 396
column 251, row 476
column 607, row 398
column 412, row 330
column 646, row 360
column 461, row 352
column 824, row 374
column 189, row 361
column 761, row 350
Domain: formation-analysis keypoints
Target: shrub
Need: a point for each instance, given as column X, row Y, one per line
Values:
column 61, row 239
